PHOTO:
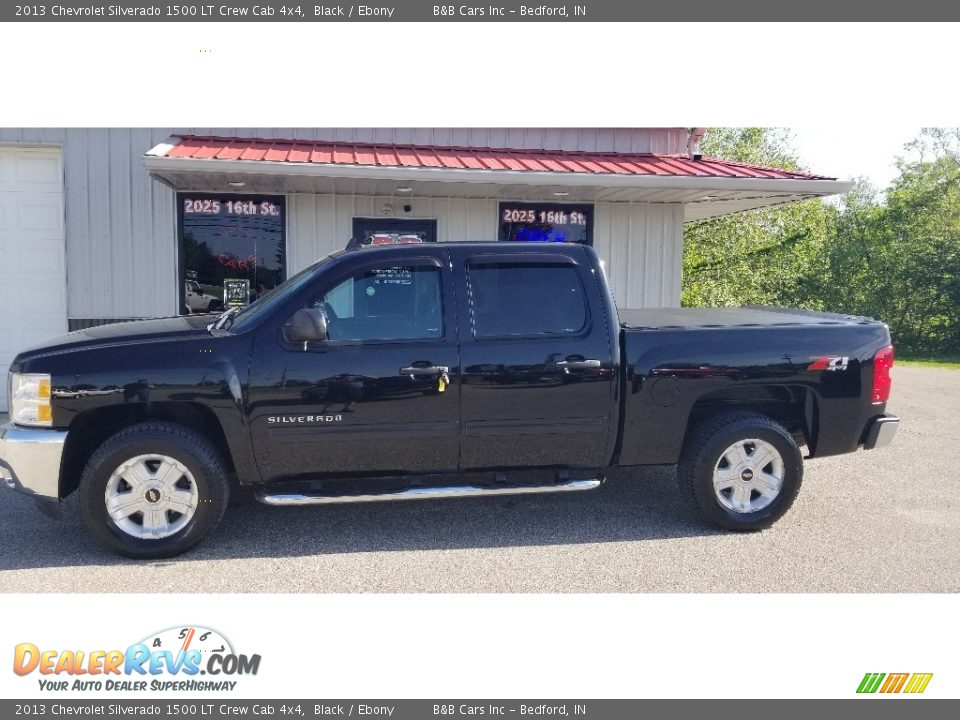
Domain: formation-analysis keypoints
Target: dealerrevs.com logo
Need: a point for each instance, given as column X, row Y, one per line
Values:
column 173, row 659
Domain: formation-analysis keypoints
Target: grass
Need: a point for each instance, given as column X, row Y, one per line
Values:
column 949, row 362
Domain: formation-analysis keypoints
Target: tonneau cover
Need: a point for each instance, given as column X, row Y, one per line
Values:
column 723, row 317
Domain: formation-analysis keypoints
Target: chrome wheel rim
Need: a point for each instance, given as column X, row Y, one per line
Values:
column 748, row 476
column 151, row 497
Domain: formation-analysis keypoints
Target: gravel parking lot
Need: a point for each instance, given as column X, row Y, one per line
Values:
column 882, row 521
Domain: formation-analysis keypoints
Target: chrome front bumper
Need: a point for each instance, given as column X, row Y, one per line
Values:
column 30, row 460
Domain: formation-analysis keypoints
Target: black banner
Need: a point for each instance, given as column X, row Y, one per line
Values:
column 497, row 11
column 212, row 708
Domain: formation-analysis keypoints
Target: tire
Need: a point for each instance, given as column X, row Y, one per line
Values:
column 157, row 470
column 214, row 306
column 721, row 476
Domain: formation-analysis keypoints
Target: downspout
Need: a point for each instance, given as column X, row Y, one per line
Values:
column 693, row 143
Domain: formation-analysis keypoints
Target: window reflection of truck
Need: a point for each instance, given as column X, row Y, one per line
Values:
column 197, row 301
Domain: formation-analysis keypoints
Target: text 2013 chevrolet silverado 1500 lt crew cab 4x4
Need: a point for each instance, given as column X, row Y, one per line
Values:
column 436, row 370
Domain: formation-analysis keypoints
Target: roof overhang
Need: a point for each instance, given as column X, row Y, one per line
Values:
column 702, row 197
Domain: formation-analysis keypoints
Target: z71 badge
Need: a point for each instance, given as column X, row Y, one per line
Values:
column 829, row 363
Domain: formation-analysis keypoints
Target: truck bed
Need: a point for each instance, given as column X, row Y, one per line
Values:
column 727, row 317
column 676, row 358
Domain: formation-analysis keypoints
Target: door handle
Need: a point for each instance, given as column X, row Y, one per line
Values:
column 578, row 364
column 424, row 370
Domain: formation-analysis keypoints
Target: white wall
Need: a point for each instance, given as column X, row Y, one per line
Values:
column 121, row 225
column 641, row 244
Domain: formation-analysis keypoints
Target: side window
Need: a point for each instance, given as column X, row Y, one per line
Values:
column 385, row 303
column 522, row 299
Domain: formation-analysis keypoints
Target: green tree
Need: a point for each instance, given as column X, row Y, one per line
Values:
column 775, row 255
column 922, row 254
column 851, row 280
column 893, row 255
column 897, row 258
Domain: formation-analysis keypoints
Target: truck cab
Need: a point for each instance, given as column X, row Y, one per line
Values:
column 415, row 382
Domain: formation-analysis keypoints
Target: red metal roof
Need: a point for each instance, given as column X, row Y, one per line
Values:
column 462, row 158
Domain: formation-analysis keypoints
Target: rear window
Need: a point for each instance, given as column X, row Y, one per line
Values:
column 526, row 299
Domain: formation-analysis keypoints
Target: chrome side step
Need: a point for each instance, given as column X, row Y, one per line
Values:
column 426, row 493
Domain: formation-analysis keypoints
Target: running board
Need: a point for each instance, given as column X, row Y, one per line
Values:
column 426, row 493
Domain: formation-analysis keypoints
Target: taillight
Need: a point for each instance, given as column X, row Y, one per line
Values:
column 882, row 362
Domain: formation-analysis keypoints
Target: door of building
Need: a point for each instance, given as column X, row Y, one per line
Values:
column 33, row 289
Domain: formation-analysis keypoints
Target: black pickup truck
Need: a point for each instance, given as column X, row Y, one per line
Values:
column 431, row 371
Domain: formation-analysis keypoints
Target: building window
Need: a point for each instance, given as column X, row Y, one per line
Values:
column 526, row 299
column 546, row 222
column 392, row 231
column 232, row 241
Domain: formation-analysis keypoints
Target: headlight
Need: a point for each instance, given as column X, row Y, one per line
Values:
column 30, row 400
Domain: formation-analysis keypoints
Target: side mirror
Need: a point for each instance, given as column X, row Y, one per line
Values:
column 304, row 326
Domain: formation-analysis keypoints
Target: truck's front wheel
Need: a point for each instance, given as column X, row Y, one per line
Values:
column 153, row 490
column 741, row 471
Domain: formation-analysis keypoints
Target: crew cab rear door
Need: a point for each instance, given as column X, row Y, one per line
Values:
column 537, row 365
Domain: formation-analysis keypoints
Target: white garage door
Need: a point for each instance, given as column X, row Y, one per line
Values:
column 33, row 285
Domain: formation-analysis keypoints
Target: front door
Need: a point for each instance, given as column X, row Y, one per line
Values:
column 380, row 396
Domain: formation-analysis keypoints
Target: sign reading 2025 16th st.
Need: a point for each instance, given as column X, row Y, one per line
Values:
column 546, row 222
column 181, row 659
column 236, row 206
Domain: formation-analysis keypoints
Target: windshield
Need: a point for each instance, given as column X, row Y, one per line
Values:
column 251, row 314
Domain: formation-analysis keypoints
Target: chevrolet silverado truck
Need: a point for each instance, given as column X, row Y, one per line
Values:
column 433, row 370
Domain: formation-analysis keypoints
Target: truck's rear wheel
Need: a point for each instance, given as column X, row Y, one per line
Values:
column 153, row 490
column 741, row 471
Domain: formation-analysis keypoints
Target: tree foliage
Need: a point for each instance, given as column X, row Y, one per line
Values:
column 893, row 255
column 767, row 256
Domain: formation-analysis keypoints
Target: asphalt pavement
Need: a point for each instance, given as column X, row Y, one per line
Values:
column 880, row 521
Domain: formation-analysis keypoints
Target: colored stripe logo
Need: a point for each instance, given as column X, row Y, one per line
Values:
column 913, row 683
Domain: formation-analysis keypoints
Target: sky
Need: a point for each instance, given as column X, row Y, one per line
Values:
column 861, row 150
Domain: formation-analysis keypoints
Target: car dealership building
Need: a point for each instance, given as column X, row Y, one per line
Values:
column 100, row 225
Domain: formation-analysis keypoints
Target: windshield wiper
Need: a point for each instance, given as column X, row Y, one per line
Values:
column 222, row 319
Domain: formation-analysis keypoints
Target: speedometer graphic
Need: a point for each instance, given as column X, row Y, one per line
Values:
column 193, row 637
